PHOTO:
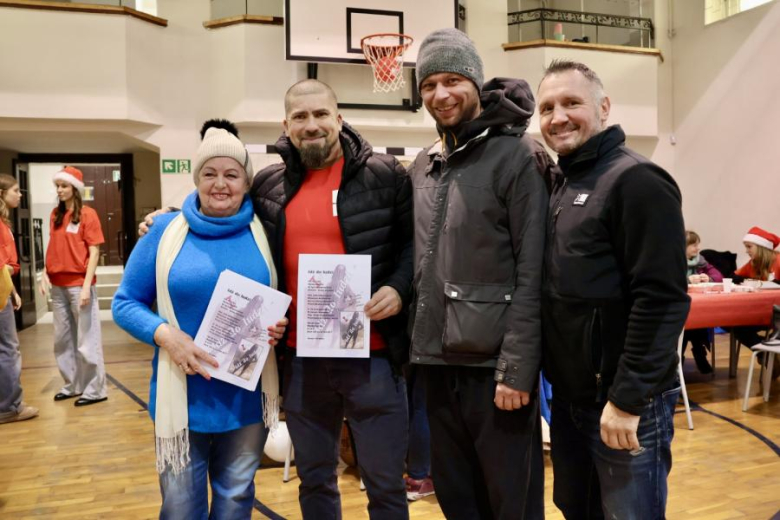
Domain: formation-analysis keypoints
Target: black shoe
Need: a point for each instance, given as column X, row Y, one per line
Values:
column 83, row 401
column 61, row 396
column 700, row 357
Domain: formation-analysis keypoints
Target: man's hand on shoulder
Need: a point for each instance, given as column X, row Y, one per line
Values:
column 618, row 428
column 507, row 398
column 143, row 227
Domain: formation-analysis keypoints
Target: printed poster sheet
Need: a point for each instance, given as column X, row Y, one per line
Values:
column 332, row 290
column 235, row 328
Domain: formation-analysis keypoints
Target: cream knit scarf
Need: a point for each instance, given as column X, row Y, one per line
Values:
column 171, row 419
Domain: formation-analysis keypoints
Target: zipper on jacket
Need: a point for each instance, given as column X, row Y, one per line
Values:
column 598, row 387
column 559, row 206
column 596, row 352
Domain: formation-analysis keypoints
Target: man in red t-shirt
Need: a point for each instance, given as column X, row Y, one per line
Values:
column 334, row 195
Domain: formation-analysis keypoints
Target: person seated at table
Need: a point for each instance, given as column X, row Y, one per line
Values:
column 699, row 271
column 764, row 265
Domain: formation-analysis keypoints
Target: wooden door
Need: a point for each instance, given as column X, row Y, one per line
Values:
column 102, row 192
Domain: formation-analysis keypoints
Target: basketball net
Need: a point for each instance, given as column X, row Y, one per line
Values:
column 385, row 53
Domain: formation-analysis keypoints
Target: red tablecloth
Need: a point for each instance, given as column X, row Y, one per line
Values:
column 731, row 309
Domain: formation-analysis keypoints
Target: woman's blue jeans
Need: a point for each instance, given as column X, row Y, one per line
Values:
column 229, row 460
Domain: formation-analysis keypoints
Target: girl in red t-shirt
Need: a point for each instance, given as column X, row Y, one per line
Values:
column 11, row 406
column 764, row 265
column 764, row 261
column 71, row 260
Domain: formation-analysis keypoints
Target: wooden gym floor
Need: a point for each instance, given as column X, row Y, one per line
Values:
column 98, row 461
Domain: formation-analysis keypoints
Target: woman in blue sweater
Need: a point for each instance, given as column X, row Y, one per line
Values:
column 204, row 428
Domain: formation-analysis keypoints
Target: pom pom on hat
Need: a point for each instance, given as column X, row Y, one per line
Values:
column 72, row 176
column 220, row 139
column 218, row 123
column 762, row 238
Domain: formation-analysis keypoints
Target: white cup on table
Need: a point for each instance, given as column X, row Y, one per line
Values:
column 727, row 285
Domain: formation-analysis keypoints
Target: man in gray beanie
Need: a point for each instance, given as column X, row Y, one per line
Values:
column 480, row 204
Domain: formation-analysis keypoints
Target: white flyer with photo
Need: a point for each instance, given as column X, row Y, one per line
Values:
column 235, row 328
column 332, row 291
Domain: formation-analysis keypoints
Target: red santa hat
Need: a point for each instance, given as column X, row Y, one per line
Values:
column 72, row 176
column 762, row 238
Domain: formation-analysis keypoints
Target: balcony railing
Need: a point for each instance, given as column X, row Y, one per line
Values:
column 578, row 26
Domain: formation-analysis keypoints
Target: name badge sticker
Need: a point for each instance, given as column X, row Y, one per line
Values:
column 73, row 228
column 335, row 204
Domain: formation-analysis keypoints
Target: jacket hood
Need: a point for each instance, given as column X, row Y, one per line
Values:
column 356, row 152
column 505, row 102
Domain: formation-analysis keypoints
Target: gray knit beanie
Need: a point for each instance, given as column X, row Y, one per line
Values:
column 218, row 142
column 449, row 50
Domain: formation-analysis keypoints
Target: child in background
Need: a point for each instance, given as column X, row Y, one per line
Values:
column 764, row 263
column 699, row 271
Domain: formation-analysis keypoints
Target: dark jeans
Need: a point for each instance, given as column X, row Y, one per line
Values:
column 318, row 394
column 486, row 463
column 418, row 462
column 593, row 481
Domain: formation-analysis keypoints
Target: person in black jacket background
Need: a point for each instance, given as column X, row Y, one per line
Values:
column 614, row 304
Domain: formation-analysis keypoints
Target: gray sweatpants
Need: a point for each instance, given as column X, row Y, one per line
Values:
column 78, row 345
column 10, row 363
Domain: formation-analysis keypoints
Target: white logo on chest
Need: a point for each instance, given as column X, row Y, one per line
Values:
column 581, row 199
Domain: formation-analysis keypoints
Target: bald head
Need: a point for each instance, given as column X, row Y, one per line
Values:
column 308, row 87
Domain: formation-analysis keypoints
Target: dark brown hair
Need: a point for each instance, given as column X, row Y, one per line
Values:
column 75, row 217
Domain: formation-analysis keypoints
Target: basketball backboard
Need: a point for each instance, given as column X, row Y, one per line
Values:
column 331, row 30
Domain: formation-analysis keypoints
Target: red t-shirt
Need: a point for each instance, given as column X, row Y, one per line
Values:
column 747, row 270
column 312, row 227
column 68, row 251
column 8, row 248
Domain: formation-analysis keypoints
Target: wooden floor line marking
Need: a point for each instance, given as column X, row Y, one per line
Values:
column 696, row 407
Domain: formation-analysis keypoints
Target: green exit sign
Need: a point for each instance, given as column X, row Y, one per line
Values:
column 176, row 166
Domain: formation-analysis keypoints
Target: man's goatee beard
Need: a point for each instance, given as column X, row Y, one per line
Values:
column 313, row 157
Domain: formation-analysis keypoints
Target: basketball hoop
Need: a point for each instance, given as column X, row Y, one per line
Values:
column 385, row 53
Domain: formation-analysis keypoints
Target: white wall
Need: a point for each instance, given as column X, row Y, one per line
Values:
column 726, row 84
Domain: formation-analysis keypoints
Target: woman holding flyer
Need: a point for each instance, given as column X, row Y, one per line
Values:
column 205, row 429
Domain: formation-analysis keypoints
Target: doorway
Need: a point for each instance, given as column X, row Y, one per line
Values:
column 109, row 190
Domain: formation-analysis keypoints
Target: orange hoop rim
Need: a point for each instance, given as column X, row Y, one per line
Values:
column 404, row 38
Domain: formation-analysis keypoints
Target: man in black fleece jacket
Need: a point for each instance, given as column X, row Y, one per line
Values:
column 614, row 305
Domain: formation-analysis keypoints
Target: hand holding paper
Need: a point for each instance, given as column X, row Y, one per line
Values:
column 384, row 303
column 183, row 351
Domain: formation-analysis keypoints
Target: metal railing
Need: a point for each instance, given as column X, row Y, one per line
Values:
column 228, row 8
column 608, row 28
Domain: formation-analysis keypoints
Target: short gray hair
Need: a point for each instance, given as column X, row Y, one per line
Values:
column 560, row 66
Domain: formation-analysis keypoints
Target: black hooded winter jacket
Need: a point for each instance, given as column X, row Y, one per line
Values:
column 479, row 238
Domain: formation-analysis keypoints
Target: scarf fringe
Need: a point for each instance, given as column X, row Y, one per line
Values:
column 271, row 411
column 173, row 452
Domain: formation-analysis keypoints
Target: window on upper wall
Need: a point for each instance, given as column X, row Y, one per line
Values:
column 147, row 6
column 715, row 10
